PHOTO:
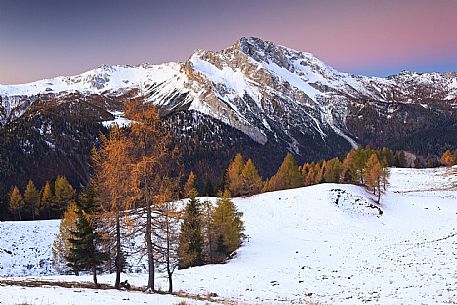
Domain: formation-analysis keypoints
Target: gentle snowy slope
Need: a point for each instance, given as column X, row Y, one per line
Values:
column 325, row 243
column 14, row 295
column 25, row 247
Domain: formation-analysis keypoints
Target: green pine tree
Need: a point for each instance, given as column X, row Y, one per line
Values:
column 209, row 188
column 400, row 159
column 190, row 249
column 84, row 251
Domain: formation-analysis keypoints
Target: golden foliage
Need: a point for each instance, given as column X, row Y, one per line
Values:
column 61, row 245
column 288, row 175
column 32, row 199
column 251, row 181
column 233, row 177
column 190, row 188
column 16, row 202
column 375, row 175
column 448, row 158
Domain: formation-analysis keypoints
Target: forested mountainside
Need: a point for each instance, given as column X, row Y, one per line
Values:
column 254, row 97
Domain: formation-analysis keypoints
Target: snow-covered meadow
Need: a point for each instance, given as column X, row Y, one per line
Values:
column 324, row 243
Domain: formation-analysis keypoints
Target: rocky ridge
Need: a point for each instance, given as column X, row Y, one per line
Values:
column 275, row 96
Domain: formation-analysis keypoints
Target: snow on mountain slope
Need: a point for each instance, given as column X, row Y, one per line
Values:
column 306, row 72
column 105, row 78
column 119, row 119
column 165, row 81
column 321, row 243
column 265, row 90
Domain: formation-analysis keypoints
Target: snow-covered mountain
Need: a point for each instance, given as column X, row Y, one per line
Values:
column 255, row 86
column 279, row 99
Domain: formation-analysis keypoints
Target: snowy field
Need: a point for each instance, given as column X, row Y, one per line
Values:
column 326, row 244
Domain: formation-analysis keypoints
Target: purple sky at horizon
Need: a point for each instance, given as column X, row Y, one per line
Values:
column 48, row 38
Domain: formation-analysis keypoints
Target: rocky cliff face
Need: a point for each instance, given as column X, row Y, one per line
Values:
column 269, row 94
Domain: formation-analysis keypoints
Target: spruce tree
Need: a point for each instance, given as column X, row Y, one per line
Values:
column 3, row 209
column 388, row 155
column 400, row 159
column 84, row 254
column 221, row 247
column 190, row 250
column 209, row 188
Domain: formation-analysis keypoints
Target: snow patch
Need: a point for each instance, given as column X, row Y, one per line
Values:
column 354, row 204
column 233, row 80
column 119, row 119
column 105, row 78
column 293, row 79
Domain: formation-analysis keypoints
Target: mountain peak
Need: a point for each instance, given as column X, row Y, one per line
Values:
column 264, row 51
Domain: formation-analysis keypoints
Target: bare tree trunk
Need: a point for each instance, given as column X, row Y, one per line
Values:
column 379, row 192
column 210, row 233
column 377, row 187
column 94, row 275
column 118, row 259
column 169, row 271
column 149, row 246
column 170, row 280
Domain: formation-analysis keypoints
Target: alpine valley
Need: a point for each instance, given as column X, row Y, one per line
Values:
column 254, row 97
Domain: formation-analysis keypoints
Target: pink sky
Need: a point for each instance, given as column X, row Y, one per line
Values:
column 48, row 38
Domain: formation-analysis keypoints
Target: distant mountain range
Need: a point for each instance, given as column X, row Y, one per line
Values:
column 254, row 97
